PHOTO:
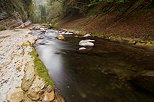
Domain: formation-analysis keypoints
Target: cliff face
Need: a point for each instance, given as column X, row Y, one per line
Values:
column 14, row 12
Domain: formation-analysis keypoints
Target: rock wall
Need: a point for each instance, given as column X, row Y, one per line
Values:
column 14, row 12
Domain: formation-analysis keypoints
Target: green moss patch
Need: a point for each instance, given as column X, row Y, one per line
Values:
column 40, row 68
column 2, row 28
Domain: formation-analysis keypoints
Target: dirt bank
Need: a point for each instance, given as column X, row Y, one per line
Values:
column 137, row 25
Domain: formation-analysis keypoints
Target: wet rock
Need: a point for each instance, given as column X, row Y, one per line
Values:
column 43, row 28
column 86, row 43
column 35, row 28
column 60, row 37
column 62, row 32
column 88, row 40
column 144, row 80
column 67, row 33
column 87, row 35
column 48, row 97
column 84, row 49
column 43, row 31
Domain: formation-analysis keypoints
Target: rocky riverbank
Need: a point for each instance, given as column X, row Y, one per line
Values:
column 125, row 40
column 18, row 78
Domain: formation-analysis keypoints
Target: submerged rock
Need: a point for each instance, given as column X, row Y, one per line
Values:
column 43, row 31
column 84, row 49
column 144, row 80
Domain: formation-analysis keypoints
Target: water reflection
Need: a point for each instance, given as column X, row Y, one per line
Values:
column 52, row 60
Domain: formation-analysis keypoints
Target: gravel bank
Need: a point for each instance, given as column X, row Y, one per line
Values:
column 13, row 59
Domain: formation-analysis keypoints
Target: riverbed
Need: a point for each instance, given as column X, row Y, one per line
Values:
column 102, row 74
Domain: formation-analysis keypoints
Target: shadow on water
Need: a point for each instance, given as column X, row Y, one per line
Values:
column 100, row 75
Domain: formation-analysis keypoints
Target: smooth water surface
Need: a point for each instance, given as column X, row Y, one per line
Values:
column 100, row 75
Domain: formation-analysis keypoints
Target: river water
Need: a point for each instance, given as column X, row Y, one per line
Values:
column 99, row 75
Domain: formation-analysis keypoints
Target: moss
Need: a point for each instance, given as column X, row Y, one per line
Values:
column 40, row 68
column 2, row 28
column 143, row 42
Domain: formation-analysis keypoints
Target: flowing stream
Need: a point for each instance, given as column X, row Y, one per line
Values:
column 99, row 75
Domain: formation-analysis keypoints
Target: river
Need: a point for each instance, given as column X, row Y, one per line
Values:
column 99, row 75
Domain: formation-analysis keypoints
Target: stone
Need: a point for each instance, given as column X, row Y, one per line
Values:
column 87, row 35
column 34, row 94
column 88, row 40
column 37, row 89
column 48, row 97
column 49, row 88
column 68, row 33
column 18, row 96
column 43, row 31
column 144, row 80
column 83, row 49
column 28, row 78
column 86, row 43
column 60, row 37
column 26, row 44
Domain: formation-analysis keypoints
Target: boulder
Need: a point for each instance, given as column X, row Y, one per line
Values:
column 86, row 43
column 144, row 80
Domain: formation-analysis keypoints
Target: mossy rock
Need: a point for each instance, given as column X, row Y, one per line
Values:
column 144, row 80
column 40, row 68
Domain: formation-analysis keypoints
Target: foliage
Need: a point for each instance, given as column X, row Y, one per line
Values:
column 143, row 42
column 54, row 11
column 96, row 2
column 23, row 7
